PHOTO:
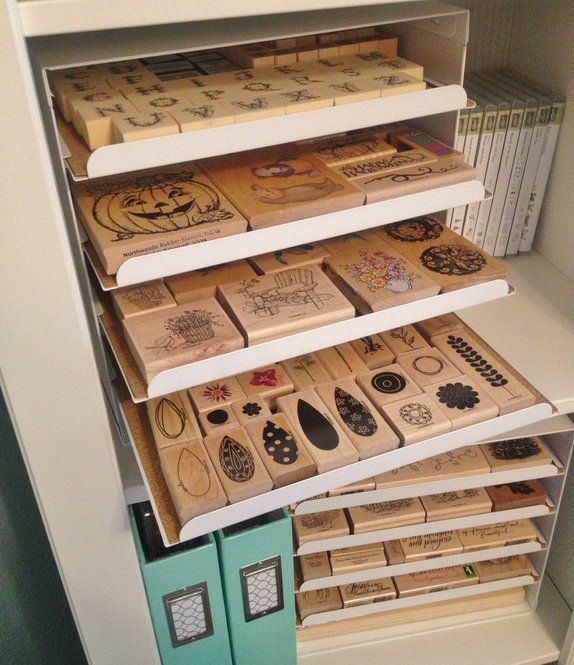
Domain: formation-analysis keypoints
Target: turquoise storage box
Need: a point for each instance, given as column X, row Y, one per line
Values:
column 256, row 560
column 183, row 587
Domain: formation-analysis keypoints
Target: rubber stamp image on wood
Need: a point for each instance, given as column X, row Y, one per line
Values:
column 378, row 270
column 457, row 396
column 452, row 260
column 355, row 415
column 191, row 467
column 415, row 414
column 216, row 392
column 412, row 175
column 415, row 230
column 236, row 460
column 155, row 204
column 514, row 449
column 279, row 444
column 293, row 288
column 144, row 297
column 388, row 382
column 187, row 329
column 169, row 418
column 316, row 427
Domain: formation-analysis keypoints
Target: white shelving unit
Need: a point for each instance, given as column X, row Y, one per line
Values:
column 51, row 355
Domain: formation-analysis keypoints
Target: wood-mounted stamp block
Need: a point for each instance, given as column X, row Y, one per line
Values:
column 283, row 303
column 394, row 163
column 315, row 566
column 142, row 299
column 427, row 367
column 417, row 179
column 459, row 503
column 351, row 147
column 429, row 581
column 416, row 418
column 357, row 558
column 180, row 335
column 272, row 186
column 504, row 568
column 215, row 393
column 394, row 552
column 431, row 546
column 345, row 551
column 320, row 600
column 516, row 453
column 94, row 120
column 372, row 591
column 137, row 127
column 126, row 81
column 237, row 464
column 357, row 417
column 218, row 419
column 122, row 67
column 191, row 117
column 517, row 495
column 136, row 214
column 318, row 526
column 351, row 241
column 378, row 278
column 341, row 361
column 305, row 371
column 248, row 409
column 86, row 100
column 284, row 458
column 457, row 463
column 297, row 100
column 373, row 351
column 191, row 480
column 403, row 340
column 395, row 65
column 348, row 91
column 388, row 384
column 439, row 325
column 492, row 375
column 317, row 430
column 94, row 88
column 310, row 254
column 497, row 535
column 199, row 284
column 365, row 485
column 417, row 140
column 441, row 254
column 266, row 383
column 172, row 420
column 463, row 401
column 160, row 102
column 392, row 83
column 386, row 515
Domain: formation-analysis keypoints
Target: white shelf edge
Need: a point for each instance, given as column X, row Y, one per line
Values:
column 176, row 148
column 424, row 528
column 422, row 599
column 251, row 243
column 284, row 496
column 424, row 489
column 251, row 357
column 418, row 566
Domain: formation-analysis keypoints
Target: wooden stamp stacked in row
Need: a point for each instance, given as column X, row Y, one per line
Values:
column 371, row 273
column 341, row 412
column 411, row 584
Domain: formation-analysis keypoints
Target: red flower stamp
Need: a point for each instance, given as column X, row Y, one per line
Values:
column 265, row 377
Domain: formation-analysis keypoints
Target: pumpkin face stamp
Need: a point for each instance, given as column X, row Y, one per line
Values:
column 125, row 216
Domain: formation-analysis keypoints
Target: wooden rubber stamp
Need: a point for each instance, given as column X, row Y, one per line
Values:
column 318, row 526
column 372, row 591
column 463, row 401
column 416, row 418
column 373, row 351
column 439, row 325
column 248, row 409
column 362, row 557
column 200, row 284
column 516, row 453
column 237, row 465
column 317, row 430
column 431, row 546
column 394, row 163
column 387, row 384
column 350, row 241
column 142, row 125
column 172, row 421
column 504, row 568
column 94, row 120
column 315, row 566
column 403, row 340
column 517, row 495
column 386, row 514
column 378, row 278
column 394, row 552
column 191, row 480
column 459, row 503
column 267, row 383
column 427, row 366
column 218, row 419
column 286, row 461
column 273, row 186
column 341, row 361
column 305, row 371
column 351, row 147
column 134, row 214
column 310, row 254
column 320, row 600
column 440, row 579
column 283, row 303
column 180, row 335
column 142, row 299
column 191, row 117
column 497, row 535
column 357, row 417
column 492, row 375
column 216, row 393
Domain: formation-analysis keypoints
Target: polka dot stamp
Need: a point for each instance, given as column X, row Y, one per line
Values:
column 217, row 420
